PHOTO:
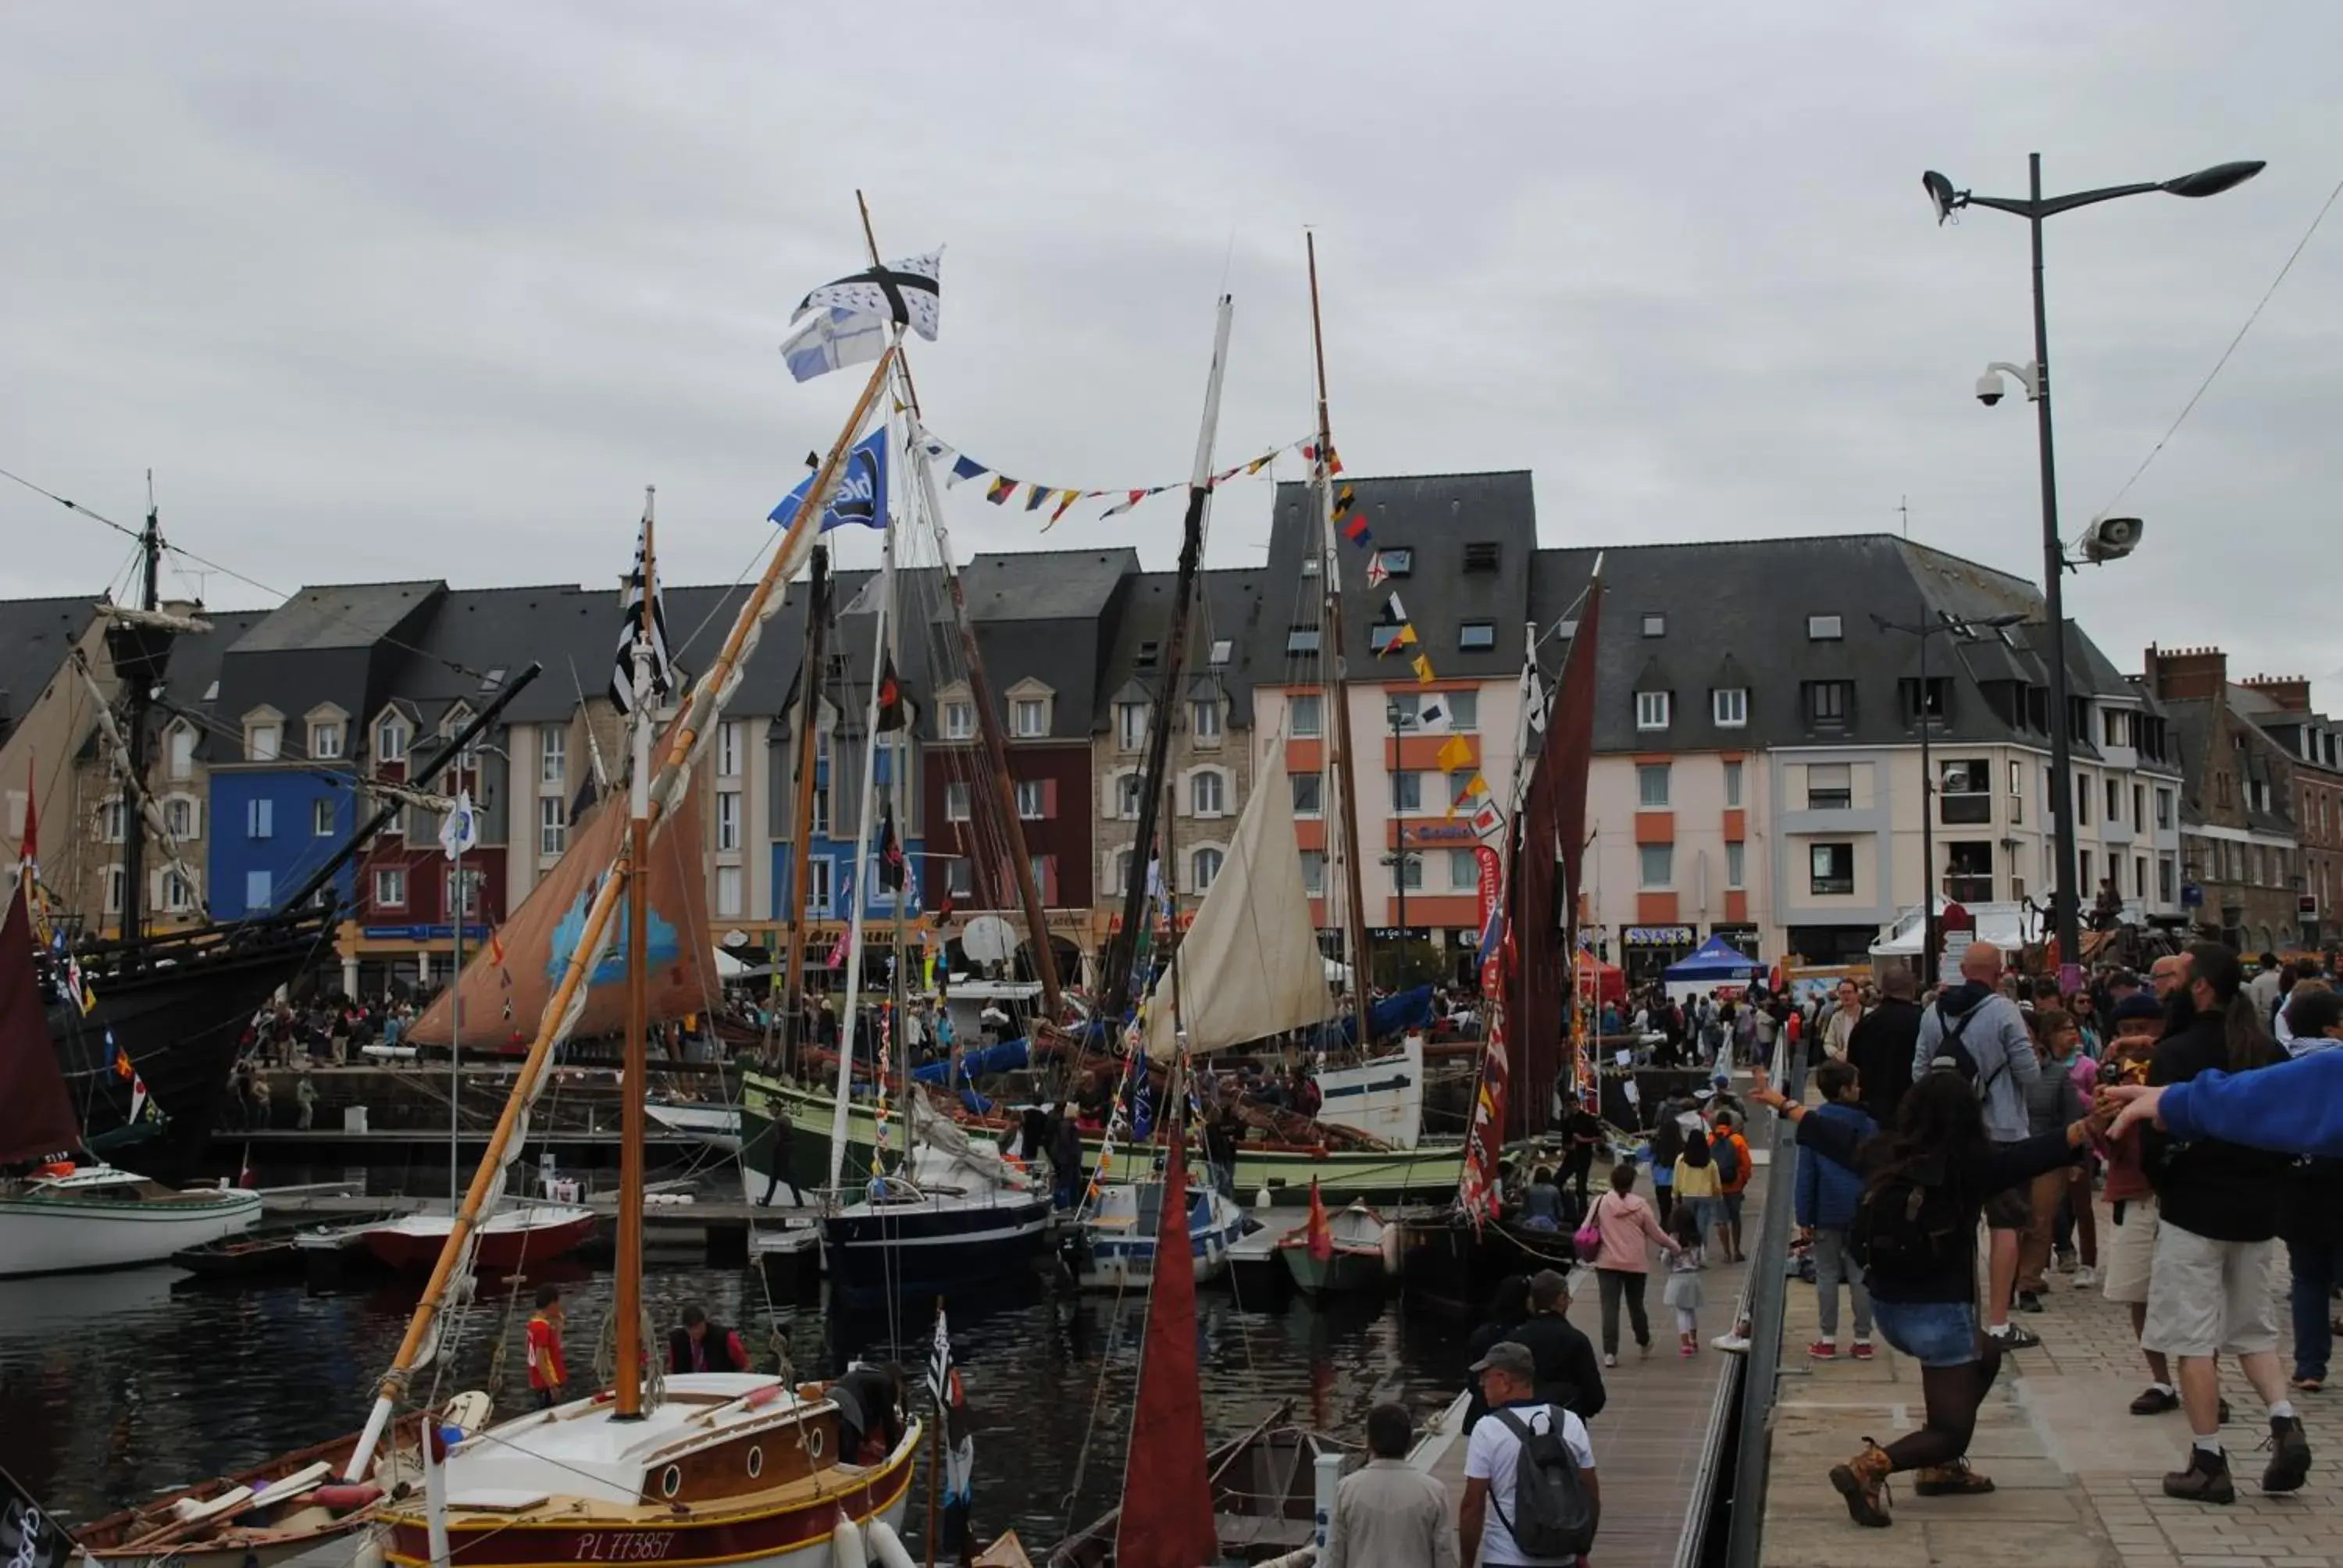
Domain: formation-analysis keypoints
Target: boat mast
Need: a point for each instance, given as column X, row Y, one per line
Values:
column 1334, row 666
column 809, row 685
column 988, row 722
column 897, row 767
column 860, row 894
column 637, row 1068
column 138, row 698
column 1116, row 990
column 683, row 739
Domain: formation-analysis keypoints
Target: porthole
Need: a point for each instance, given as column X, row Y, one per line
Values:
column 670, row 1480
column 814, row 1440
column 756, row 1462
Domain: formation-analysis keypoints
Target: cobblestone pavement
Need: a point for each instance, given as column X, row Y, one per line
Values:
column 2079, row 1478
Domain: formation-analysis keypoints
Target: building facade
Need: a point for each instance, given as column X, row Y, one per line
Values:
column 2281, row 707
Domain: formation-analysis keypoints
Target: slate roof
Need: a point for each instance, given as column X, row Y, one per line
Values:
column 2197, row 732
column 1228, row 606
column 36, row 635
column 338, row 616
column 195, row 666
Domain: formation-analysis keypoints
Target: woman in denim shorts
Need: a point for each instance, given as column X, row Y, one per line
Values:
column 1938, row 1142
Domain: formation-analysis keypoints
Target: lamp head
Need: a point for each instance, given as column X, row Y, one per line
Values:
column 1942, row 197
column 2215, row 180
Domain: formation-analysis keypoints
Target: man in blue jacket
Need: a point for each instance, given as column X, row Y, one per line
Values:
column 1827, row 1191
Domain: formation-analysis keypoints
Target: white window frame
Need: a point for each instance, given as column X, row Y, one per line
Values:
column 1204, row 718
column 727, row 749
column 325, row 740
column 728, row 819
column 553, row 757
column 1315, row 809
column 1652, row 711
column 1313, row 872
column 1030, row 717
column 1736, row 864
column 821, row 885
column 176, row 893
column 179, row 747
column 960, row 720
column 1668, row 877
column 552, row 826
column 1308, row 703
column 1130, row 726
column 1825, row 628
column 1198, row 791
column 1729, row 706
column 1199, row 879
column 958, row 800
column 730, row 891
column 1645, row 774
column 188, row 813
column 321, row 818
column 391, row 737
column 390, row 879
column 1735, row 781
column 1031, row 799
column 1410, row 777
column 264, row 742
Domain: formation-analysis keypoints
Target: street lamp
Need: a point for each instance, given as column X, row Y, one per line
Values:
column 2034, row 207
column 1945, row 624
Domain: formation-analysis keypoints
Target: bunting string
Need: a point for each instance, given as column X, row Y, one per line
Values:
column 1001, row 488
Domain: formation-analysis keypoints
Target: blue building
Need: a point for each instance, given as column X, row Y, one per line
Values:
column 834, row 880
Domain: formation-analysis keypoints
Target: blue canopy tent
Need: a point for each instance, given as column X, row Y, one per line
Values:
column 1715, row 962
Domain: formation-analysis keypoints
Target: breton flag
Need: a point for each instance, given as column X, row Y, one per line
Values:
column 630, row 596
column 959, row 1437
column 849, row 321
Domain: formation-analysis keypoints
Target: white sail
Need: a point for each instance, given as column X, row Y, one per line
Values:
column 1249, row 966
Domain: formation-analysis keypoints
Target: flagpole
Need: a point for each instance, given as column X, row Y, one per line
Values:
column 629, row 1305
column 809, row 685
column 866, row 796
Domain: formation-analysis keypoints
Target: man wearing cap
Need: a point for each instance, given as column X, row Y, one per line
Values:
column 1566, row 1373
column 1508, row 1375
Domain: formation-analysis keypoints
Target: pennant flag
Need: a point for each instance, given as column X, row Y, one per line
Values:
column 630, row 599
column 1355, row 530
column 861, row 495
column 965, row 469
column 1402, row 636
column 1455, row 754
column 1423, row 668
column 1001, row 488
column 123, row 1069
column 1130, row 499
column 1321, row 1234
column 838, row 953
column 891, row 695
column 1377, row 574
column 1342, row 500
column 1264, row 461
column 1037, row 499
column 847, row 321
column 1067, row 498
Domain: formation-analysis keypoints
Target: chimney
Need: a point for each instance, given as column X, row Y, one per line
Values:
column 2291, row 692
column 2180, row 674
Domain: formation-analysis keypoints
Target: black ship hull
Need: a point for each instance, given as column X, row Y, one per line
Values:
column 178, row 1006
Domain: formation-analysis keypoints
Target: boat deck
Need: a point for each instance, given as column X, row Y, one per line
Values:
column 1655, row 1433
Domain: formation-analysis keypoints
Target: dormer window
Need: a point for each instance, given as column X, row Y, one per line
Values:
column 325, row 740
column 263, row 740
column 1029, row 717
column 181, row 742
column 390, row 738
column 1300, row 640
column 1824, row 629
column 1222, row 650
column 1730, row 707
column 1130, row 725
column 1654, row 624
column 1476, row 635
column 1398, row 560
column 1651, row 710
column 960, row 719
column 1148, row 652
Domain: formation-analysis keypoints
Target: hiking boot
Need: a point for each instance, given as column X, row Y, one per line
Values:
column 1954, row 1480
column 2155, row 1401
column 2206, row 1479
column 1823, row 1350
column 1862, row 1482
column 2290, row 1455
column 2010, row 1337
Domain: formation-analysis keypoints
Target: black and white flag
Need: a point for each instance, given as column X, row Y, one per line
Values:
column 846, row 322
column 622, row 674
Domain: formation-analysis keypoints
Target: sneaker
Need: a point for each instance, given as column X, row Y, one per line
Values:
column 1861, row 1350
column 2064, row 1259
column 2010, row 1337
column 2309, row 1384
column 2029, row 1301
column 1954, row 1480
column 2086, row 1278
column 2290, row 1455
column 1689, row 1348
column 1862, row 1482
column 2155, row 1401
column 1609, row 1360
column 1823, row 1350
column 1732, row 1343
column 2206, row 1479
column 1643, row 1349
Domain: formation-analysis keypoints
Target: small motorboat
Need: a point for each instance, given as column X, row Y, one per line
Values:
column 1354, row 1259
column 1115, row 1246
column 509, row 1239
column 256, row 1254
column 1256, row 1274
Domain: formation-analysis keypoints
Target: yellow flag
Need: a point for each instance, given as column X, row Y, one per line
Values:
column 1457, row 753
column 1476, row 788
column 1423, row 668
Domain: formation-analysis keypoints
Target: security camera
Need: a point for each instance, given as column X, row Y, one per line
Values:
column 1991, row 388
column 2111, row 539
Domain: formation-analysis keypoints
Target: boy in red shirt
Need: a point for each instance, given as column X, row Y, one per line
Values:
column 546, row 1375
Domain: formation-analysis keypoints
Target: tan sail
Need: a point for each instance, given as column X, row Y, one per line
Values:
column 507, row 982
column 1249, row 966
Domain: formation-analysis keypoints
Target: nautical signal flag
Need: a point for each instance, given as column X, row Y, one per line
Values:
column 890, row 696
column 999, row 490
column 1377, row 574
column 1457, row 753
column 1423, row 668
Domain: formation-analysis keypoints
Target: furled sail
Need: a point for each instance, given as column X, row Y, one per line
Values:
column 507, row 982
column 1249, row 966
column 1167, row 1494
column 36, row 1114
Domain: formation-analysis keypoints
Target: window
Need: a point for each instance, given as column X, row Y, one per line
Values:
column 111, row 821
column 2083, row 870
column 1397, row 560
column 1314, row 871
column 260, row 818
column 1476, row 635
column 1382, row 635
column 1654, row 624
column 1148, row 654
column 1828, row 703
column 2017, row 793
column 390, row 888
column 1408, row 868
column 1309, row 794
column 256, row 890
column 325, row 740
column 553, row 755
column 321, row 819
column 1463, row 872
column 1308, row 713
column 1736, row 863
column 552, row 827
column 1932, row 700
column 1730, row 704
column 1045, row 878
column 1120, row 880
column 1407, row 791
column 390, row 738
column 2163, row 808
column 1732, row 784
column 260, row 743
column 2082, row 802
column 178, row 893
column 2115, row 801
column 1223, row 648
column 727, row 750
column 1300, row 639
column 1030, row 797
column 1460, row 789
column 2167, row 886
column 1309, row 565
column 1830, row 870
column 1651, row 784
column 728, row 818
column 1205, row 719
column 1824, row 629
column 959, row 877
column 1969, row 872
column 180, row 817
column 2113, row 727
column 1964, row 791
column 960, row 720
column 1651, row 710
column 1206, row 796
column 1029, row 717
column 1830, row 786
column 1655, row 865
column 820, row 893
column 1127, row 791
column 2139, row 875
column 727, row 891
column 183, row 751
column 1483, row 555
column 1130, row 725
column 1463, row 710
column 1203, row 867
column 821, row 808
column 114, row 887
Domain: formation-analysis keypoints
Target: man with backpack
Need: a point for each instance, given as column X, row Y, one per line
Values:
column 1730, row 1152
column 1530, row 1497
column 1985, row 1036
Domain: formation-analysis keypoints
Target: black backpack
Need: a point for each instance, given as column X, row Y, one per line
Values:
column 1553, row 1517
column 1951, row 1044
column 1910, row 1227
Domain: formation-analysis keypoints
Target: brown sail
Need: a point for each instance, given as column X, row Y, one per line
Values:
column 36, row 1115
column 505, row 984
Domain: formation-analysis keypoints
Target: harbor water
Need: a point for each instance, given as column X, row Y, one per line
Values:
column 117, row 1386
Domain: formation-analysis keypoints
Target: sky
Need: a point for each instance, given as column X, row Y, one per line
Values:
column 432, row 290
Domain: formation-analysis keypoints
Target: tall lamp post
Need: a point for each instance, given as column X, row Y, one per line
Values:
column 2034, row 207
column 1943, row 624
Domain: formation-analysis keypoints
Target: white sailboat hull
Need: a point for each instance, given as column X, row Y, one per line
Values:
column 1382, row 1097
column 718, row 1126
column 53, row 1231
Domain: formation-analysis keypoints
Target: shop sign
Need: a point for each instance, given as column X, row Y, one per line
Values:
column 1660, row 936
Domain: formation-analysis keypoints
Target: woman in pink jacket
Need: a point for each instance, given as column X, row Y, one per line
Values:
column 1627, row 1224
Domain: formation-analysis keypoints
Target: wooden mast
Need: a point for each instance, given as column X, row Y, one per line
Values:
column 1115, row 983
column 988, row 722
column 683, row 737
column 1343, row 759
column 810, row 683
column 629, row 1305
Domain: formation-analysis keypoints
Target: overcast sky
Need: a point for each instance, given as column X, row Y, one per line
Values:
column 432, row 289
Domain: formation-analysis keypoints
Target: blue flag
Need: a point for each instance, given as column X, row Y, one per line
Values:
column 861, row 497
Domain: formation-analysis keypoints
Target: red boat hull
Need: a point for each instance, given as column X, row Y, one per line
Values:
column 500, row 1251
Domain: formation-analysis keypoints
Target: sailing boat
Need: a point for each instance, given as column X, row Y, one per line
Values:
column 58, row 1214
